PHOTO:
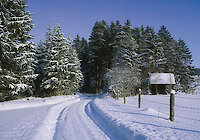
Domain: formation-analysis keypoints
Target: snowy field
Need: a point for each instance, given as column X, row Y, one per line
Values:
column 151, row 121
column 100, row 117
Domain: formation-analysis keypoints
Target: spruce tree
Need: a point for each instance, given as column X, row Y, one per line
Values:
column 97, row 44
column 147, row 46
column 124, row 77
column 169, row 46
column 41, row 56
column 77, row 44
column 178, row 59
column 116, row 37
column 129, row 47
column 159, row 57
column 84, row 51
column 17, row 52
column 184, row 67
column 62, row 70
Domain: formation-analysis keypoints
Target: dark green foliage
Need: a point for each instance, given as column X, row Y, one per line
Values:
column 97, row 45
column 152, row 52
column 58, row 65
column 41, row 54
column 84, row 52
column 17, row 53
column 184, row 68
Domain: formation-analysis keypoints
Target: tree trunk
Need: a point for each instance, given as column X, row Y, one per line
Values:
column 97, row 79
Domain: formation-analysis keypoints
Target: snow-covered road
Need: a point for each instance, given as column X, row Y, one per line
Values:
column 32, row 119
column 60, row 120
column 89, row 117
column 74, row 124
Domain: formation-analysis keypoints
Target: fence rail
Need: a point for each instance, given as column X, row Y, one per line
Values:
column 175, row 105
column 187, row 98
column 187, row 107
column 155, row 102
column 187, row 118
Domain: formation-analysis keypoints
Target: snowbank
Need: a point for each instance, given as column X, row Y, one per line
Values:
column 112, row 127
column 33, row 102
column 151, row 121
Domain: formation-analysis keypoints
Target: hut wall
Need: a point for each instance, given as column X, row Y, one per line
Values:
column 158, row 89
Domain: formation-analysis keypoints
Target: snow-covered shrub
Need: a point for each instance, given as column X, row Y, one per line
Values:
column 196, row 85
column 122, row 81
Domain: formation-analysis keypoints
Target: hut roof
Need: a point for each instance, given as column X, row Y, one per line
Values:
column 162, row 78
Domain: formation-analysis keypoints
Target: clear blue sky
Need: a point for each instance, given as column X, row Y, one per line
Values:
column 181, row 17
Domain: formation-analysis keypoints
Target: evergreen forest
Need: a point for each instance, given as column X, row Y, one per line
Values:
column 117, row 58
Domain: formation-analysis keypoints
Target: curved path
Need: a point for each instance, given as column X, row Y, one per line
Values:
column 74, row 124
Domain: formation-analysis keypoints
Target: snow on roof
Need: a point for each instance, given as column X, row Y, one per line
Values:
column 162, row 78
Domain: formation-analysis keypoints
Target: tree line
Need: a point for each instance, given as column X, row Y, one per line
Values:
column 116, row 58
column 120, row 58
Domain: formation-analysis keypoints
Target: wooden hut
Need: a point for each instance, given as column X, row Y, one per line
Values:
column 159, row 82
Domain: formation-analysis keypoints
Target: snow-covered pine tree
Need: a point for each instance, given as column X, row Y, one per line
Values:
column 124, row 78
column 7, row 53
column 115, row 38
column 184, row 67
column 73, row 70
column 62, row 71
column 159, row 56
column 129, row 49
column 83, row 51
column 44, row 51
column 97, row 44
column 77, row 44
column 169, row 45
column 41, row 56
column 147, row 43
column 146, row 49
column 130, row 57
column 112, row 42
column 26, row 49
column 178, row 59
column 17, row 52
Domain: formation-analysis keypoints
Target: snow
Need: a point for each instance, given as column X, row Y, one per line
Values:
column 196, row 84
column 162, row 78
column 74, row 118
column 151, row 121
column 32, row 119
column 99, row 117
column 33, row 102
column 197, row 89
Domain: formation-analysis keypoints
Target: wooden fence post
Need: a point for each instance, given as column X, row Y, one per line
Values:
column 124, row 99
column 139, row 98
column 172, row 106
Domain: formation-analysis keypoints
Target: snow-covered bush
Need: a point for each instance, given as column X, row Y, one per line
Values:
column 122, row 81
column 196, row 85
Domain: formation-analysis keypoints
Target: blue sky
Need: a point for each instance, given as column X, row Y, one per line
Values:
column 181, row 17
